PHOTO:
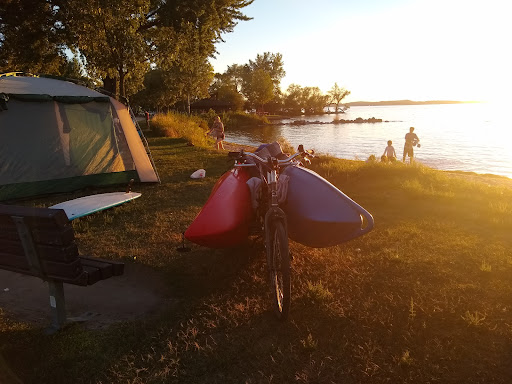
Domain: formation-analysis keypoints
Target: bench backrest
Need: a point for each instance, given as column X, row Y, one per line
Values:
column 39, row 242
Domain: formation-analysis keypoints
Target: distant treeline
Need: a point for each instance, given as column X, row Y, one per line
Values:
column 405, row 102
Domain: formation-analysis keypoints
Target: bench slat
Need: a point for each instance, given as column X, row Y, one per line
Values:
column 62, row 270
column 117, row 266
column 105, row 270
column 93, row 274
column 63, row 253
column 81, row 279
column 57, row 236
column 35, row 216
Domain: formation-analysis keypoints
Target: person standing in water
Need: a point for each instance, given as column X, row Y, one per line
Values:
column 411, row 140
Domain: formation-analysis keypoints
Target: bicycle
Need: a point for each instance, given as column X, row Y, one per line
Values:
column 271, row 220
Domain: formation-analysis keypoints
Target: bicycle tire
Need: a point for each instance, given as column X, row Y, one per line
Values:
column 279, row 269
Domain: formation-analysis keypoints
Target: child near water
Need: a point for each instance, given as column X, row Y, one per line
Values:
column 389, row 153
column 217, row 131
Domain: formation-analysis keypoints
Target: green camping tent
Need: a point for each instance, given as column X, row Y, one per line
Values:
column 57, row 136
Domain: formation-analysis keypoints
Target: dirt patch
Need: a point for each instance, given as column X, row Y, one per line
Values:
column 138, row 293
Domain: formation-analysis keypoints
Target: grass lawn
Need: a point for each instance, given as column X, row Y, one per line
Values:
column 425, row 297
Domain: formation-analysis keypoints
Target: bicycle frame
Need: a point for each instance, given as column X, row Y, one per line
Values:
column 270, row 178
column 274, row 225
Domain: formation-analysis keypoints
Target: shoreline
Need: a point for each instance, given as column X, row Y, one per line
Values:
column 487, row 178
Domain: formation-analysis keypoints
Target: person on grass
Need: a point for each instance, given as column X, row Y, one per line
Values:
column 217, row 132
column 389, row 153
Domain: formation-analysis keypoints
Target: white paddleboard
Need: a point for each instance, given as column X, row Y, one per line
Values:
column 84, row 206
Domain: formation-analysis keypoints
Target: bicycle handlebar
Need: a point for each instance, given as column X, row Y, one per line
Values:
column 301, row 152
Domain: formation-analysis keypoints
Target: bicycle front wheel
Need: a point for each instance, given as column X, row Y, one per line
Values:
column 279, row 264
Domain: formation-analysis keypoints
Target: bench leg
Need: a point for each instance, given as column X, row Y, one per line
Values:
column 57, row 304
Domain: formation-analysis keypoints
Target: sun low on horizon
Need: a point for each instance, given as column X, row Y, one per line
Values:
column 406, row 49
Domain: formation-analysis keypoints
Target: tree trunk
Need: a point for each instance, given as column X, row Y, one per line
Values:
column 121, row 83
column 110, row 85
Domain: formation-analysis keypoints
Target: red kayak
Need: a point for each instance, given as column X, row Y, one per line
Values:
column 224, row 220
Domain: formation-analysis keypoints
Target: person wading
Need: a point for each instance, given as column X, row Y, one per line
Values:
column 411, row 140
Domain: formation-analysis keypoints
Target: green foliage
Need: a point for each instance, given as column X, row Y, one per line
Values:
column 313, row 100
column 209, row 117
column 292, row 100
column 119, row 40
column 260, row 89
column 309, row 343
column 31, row 38
column 227, row 87
column 155, row 92
column 317, row 292
column 241, row 119
column 258, row 81
column 271, row 63
column 337, row 94
column 107, row 35
column 235, row 76
column 286, row 146
column 304, row 99
column 231, row 95
column 176, row 125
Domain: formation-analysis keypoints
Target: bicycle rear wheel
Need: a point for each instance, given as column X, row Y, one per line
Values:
column 279, row 264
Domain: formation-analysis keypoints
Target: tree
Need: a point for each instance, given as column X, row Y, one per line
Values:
column 227, row 86
column 31, row 44
column 304, row 99
column 118, row 40
column 293, row 99
column 260, row 89
column 235, row 76
column 313, row 100
column 229, row 94
column 272, row 63
column 105, row 32
column 193, row 80
column 337, row 94
column 154, row 93
column 268, row 66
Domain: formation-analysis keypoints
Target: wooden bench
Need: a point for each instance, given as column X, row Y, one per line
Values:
column 41, row 242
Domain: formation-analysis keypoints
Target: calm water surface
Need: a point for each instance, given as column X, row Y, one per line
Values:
column 466, row 137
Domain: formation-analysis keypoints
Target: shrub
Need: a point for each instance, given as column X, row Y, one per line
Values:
column 171, row 124
column 237, row 119
column 286, row 146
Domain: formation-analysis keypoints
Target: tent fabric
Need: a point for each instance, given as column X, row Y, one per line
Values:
column 53, row 141
column 62, row 99
column 137, row 150
column 24, row 85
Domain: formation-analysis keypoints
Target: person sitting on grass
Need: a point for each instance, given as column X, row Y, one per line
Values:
column 389, row 153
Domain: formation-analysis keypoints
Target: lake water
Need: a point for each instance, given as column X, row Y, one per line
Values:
column 468, row 137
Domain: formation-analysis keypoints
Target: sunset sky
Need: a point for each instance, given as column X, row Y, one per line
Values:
column 382, row 49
